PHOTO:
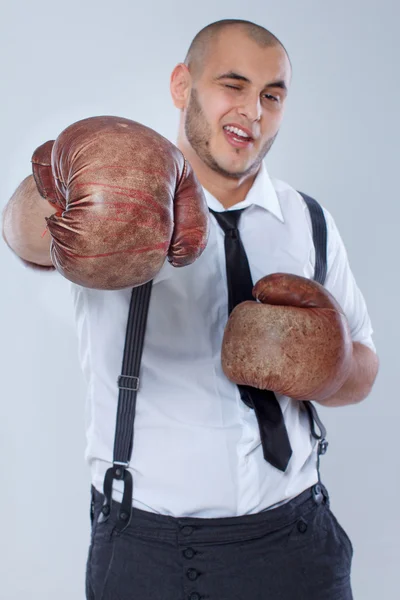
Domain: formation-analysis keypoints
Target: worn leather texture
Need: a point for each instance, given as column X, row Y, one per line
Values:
column 127, row 200
column 294, row 341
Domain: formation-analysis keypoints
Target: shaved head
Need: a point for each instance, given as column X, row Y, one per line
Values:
column 202, row 43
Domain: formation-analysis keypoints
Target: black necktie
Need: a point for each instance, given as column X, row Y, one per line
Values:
column 274, row 437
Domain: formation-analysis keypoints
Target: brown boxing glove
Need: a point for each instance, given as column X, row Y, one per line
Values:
column 296, row 341
column 126, row 199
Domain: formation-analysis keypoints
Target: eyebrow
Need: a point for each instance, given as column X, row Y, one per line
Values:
column 232, row 75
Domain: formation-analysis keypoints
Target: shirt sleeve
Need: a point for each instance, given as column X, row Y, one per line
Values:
column 340, row 282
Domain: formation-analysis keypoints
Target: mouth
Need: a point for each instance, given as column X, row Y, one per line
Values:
column 237, row 136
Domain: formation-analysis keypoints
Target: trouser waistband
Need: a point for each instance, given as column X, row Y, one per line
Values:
column 227, row 529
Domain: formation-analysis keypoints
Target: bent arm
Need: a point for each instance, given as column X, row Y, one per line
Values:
column 358, row 385
column 341, row 283
column 24, row 225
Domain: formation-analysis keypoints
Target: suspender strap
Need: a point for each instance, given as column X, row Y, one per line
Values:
column 128, row 381
column 320, row 244
column 319, row 237
column 322, row 445
column 316, row 421
column 128, row 384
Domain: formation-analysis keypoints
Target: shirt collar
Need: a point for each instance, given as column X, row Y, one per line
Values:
column 262, row 193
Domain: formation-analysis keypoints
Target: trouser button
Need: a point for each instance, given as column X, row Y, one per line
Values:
column 302, row 526
column 188, row 553
column 192, row 574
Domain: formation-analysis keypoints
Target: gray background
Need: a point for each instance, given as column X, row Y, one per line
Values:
column 65, row 61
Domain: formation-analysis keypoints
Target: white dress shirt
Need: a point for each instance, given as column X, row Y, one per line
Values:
column 197, row 449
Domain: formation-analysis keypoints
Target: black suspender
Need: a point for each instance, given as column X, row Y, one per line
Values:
column 320, row 244
column 319, row 236
column 128, row 384
column 128, row 381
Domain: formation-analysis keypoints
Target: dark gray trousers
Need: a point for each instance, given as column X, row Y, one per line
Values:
column 297, row 551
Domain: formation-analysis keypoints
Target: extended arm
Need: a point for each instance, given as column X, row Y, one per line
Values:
column 24, row 223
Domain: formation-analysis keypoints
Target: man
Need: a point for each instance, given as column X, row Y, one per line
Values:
column 212, row 518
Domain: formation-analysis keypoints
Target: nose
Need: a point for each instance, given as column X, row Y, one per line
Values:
column 251, row 107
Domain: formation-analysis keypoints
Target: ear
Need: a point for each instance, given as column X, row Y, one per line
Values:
column 180, row 86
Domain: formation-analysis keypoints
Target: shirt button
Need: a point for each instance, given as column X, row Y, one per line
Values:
column 187, row 530
column 194, row 596
column 192, row 574
column 188, row 553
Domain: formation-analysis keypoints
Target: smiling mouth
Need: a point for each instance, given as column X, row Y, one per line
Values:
column 237, row 137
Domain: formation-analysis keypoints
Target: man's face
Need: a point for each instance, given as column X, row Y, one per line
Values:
column 236, row 104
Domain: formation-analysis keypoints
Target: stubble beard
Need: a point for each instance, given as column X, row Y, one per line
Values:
column 198, row 133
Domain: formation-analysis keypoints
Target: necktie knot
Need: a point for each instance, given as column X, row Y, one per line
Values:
column 228, row 220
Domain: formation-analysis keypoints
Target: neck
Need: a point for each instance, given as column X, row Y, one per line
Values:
column 227, row 190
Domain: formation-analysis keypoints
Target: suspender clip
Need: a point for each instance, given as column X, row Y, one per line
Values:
column 322, row 446
column 120, row 472
column 317, row 494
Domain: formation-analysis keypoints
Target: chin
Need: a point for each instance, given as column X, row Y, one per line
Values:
column 237, row 170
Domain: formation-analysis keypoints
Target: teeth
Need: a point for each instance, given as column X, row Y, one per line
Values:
column 236, row 131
